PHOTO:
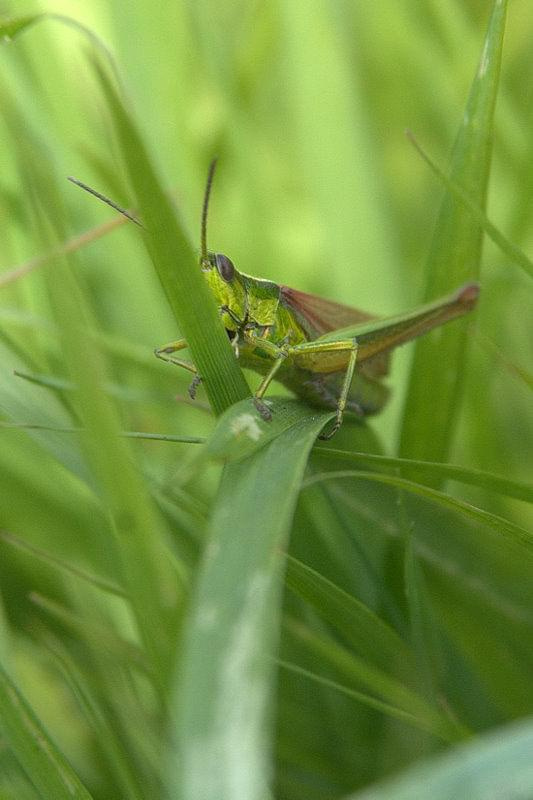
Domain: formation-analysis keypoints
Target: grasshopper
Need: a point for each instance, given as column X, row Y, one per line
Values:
column 330, row 355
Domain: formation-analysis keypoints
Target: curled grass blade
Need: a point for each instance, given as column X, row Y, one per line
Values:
column 10, row 29
column 242, row 431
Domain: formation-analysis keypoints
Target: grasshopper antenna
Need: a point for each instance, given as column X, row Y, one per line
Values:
column 106, row 200
column 210, row 174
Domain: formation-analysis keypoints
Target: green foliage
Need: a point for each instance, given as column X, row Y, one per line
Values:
column 212, row 606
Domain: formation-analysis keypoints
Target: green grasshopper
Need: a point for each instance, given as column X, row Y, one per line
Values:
column 329, row 354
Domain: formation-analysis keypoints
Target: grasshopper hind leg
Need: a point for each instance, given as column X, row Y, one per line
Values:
column 343, row 397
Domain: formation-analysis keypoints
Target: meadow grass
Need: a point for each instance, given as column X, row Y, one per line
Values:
column 197, row 604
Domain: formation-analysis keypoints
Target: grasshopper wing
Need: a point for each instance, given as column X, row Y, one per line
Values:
column 319, row 316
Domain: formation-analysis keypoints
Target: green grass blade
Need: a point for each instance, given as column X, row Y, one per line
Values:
column 439, row 360
column 496, row 765
column 43, row 763
column 177, row 266
column 224, row 698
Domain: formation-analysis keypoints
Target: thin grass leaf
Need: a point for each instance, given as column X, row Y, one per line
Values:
column 110, row 748
column 144, row 435
column 378, row 683
column 439, row 360
column 496, row 765
column 356, row 623
column 62, row 566
column 27, row 401
column 122, row 392
column 514, row 253
column 361, row 697
column 43, row 763
column 223, row 700
column 523, row 375
column 500, row 525
column 100, row 637
column 418, row 607
column 435, row 472
column 71, row 246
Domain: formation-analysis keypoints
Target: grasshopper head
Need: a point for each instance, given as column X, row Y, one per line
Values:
column 228, row 288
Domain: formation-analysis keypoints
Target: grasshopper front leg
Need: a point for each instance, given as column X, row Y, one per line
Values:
column 165, row 353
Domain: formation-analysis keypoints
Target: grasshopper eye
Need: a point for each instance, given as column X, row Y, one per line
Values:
column 225, row 267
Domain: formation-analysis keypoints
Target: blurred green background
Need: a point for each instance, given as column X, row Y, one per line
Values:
column 306, row 105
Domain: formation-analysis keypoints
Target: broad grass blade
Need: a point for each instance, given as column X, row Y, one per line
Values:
column 223, row 701
column 496, row 765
